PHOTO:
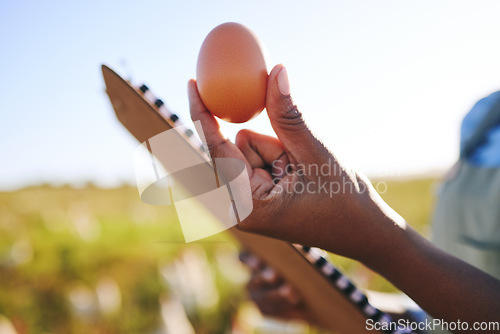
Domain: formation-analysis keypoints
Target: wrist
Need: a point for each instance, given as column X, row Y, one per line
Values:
column 386, row 233
column 393, row 250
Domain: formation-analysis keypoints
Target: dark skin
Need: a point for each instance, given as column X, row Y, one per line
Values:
column 271, row 293
column 354, row 222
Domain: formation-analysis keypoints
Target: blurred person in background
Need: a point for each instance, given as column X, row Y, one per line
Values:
column 466, row 221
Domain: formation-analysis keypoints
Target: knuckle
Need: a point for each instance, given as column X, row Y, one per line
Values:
column 215, row 148
column 243, row 136
column 244, row 133
column 292, row 119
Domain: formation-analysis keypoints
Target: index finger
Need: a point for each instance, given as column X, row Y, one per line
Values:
column 199, row 112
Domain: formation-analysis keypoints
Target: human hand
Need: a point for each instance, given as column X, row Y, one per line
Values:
column 354, row 221
column 274, row 296
column 301, row 193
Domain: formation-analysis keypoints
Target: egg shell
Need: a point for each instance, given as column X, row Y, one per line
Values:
column 231, row 73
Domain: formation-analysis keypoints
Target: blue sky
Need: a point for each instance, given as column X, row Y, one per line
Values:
column 383, row 83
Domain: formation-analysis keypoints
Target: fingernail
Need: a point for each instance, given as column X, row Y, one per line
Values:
column 268, row 274
column 252, row 262
column 290, row 294
column 283, row 83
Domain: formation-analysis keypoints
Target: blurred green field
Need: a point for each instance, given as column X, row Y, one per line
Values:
column 93, row 260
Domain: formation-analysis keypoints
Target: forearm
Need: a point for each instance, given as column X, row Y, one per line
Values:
column 446, row 287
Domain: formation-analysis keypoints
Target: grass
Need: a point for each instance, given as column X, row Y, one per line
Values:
column 57, row 245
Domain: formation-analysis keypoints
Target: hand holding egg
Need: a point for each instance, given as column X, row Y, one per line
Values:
column 287, row 203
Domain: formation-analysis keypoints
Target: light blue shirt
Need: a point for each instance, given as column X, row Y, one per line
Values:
column 488, row 153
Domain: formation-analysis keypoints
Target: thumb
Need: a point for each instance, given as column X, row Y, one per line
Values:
column 286, row 119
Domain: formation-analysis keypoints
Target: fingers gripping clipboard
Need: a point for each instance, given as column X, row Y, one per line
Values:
column 328, row 296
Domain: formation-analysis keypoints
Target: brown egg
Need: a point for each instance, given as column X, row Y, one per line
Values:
column 231, row 73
